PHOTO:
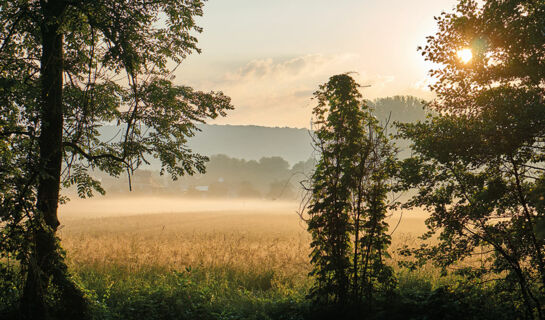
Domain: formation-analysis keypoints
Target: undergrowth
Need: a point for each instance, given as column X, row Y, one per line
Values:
column 204, row 293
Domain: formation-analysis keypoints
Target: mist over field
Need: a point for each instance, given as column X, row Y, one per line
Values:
column 77, row 213
column 106, row 206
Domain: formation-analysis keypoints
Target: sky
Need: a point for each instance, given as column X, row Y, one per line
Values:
column 270, row 56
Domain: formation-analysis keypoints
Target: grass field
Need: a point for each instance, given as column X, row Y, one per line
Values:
column 243, row 241
column 165, row 258
column 242, row 258
column 177, row 234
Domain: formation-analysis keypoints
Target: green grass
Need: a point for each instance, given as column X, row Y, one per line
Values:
column 223, row 293
column 192, row 294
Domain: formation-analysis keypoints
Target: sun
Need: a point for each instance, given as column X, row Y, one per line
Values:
column 464, row 55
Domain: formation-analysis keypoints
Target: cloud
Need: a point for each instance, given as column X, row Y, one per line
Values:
column 383, row 81
column 278, row 91
column 306, row 67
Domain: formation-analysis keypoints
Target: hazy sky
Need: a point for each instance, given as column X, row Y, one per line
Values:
column 269, row 56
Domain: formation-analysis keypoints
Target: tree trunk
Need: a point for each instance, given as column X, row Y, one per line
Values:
column 46, row 263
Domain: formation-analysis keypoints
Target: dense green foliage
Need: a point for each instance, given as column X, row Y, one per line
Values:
column 479, row 165
column 117, row 293
column 66, row 68
column 347, row 204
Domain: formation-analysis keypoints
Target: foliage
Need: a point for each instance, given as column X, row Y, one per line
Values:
column 67, row 68
column 348, row 205
column 118, row 293
column 478, row 165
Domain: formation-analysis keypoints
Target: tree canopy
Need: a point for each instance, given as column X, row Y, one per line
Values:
column 66, row 68
column 478, row 163
column 347, row 204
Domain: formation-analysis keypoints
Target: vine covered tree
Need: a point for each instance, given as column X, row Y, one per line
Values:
column 347, row 204
column 66, row 68
column 479, row 165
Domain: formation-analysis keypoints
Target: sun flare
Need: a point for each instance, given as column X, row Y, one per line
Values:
column 464, row 55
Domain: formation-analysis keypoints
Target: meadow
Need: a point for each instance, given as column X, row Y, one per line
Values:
column 167, row 258
column 177, row 234
column 242, row 241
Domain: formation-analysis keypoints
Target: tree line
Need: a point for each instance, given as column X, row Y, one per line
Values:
column 267, row 178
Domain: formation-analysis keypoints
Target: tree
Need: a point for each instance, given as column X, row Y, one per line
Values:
column 66, row 68
column 479, row 164
column 347, row 204
column 398, row 108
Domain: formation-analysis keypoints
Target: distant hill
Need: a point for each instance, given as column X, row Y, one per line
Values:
column 252, row 161
column 293, row 145
column 398, row 108
column 253, row 142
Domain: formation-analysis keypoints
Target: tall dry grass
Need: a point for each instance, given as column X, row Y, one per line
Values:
column 227, row 241
column 252, row 237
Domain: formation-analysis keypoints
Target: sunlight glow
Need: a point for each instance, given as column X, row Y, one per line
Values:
column 465, row 55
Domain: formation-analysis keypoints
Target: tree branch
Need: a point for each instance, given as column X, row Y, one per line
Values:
column 91, row 157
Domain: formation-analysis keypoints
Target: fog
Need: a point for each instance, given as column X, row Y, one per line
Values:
column 105, row 206
column 403, row 221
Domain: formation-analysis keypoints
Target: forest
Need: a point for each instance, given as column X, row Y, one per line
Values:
column 119, row 201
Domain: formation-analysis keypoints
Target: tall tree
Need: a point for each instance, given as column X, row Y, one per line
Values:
column 347, row 203
column 479, row 165
column 66, row 68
